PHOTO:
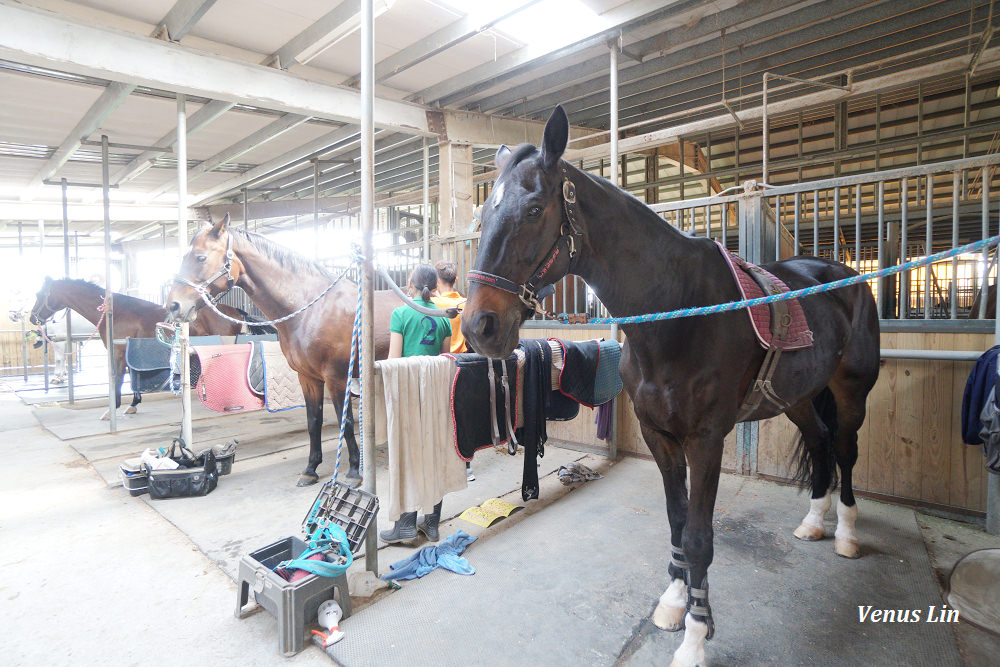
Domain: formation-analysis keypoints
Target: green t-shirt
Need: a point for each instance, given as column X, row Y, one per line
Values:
column 422, row 334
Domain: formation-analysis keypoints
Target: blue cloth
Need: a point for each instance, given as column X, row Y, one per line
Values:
column 977, row 389
column 446, row 555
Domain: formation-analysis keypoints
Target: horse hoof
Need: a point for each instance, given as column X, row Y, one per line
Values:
column 846, row 548
column 668, row 618
column 130, row 410
column 307, row 480
column 353, row 482
column 106, row 416
column 809, row 533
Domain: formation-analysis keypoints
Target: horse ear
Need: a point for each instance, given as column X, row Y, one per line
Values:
column 555, row 138
column 503, row 154
column 220, row 227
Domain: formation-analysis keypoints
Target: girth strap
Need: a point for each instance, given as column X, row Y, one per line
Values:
column 495, row 428
column 762, row 387
column 508, row 403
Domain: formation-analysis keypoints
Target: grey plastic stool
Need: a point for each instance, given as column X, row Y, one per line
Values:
column 294, row 605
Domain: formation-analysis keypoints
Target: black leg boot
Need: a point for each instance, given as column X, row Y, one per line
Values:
column 404, row 530
column 429, row 525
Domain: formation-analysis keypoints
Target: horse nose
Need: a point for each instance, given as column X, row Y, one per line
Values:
column 486, row 324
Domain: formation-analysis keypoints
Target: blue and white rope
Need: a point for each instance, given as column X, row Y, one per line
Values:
column 815, row 289
column 355, row 350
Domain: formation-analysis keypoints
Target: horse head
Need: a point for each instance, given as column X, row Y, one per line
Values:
column 529, row 238
column 209, row 268
column 46, row 304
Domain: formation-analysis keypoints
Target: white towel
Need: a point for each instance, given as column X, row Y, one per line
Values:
column 423, row 463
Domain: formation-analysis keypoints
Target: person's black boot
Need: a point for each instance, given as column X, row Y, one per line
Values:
column 429, row 525
column 404, row 530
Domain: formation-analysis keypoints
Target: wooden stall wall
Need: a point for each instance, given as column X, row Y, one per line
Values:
column 910, row 447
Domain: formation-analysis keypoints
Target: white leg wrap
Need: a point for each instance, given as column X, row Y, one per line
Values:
column 669, row 613
column 811, row 527
column 691, row 652
column 846, row 539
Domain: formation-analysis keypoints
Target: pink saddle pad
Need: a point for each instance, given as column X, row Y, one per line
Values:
column 223, row 386
column 798, row 337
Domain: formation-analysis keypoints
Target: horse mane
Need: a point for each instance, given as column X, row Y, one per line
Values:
column 284, row 257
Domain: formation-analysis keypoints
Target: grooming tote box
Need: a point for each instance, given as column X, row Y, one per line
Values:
column 134, row 477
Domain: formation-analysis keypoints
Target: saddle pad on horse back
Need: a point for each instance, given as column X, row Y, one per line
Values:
column 223, row 386
column 590, row 371
column 798, row 336
column 470, row 401
column 282, row 390
column 148, row 361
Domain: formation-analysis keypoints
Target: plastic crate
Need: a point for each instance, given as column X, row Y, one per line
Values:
column 133, row 477
column 351, row 509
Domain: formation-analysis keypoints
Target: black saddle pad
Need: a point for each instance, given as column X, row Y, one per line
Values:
column 470, row 401
column 148, row 361
column 590, row 371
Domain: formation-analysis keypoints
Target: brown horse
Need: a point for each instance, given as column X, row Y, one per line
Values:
column 317, row 342
column 687, row 377
column 134, row 318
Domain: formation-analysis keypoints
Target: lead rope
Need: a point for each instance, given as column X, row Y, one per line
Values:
column 356, row 344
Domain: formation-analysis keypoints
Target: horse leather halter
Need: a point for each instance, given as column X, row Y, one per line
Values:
column 226, row 270
column 568, row 232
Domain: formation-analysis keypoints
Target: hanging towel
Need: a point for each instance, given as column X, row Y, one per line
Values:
column 977, row 388
column 447, row 555
column 423, row 466
column 590, row 371
column 603, row 420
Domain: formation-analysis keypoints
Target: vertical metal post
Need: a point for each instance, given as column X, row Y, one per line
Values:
column 246, row 210
column 904, row 278
column 613, row 445
column 993, row 481
column 426, row 202
column 45, row 361
column 68, row 347
column 181, row 146
column 956, row 177
column 880, row 204
column 316, row 208
column 815, row 223
column 24, row 346
column 928, row 242
column 984, row 256
column 857, row 228
column 798, row 214
column 836, row 224
column 109, row 308
column 367, row 226
column 765, row 138
column 613, row 100
column 777, row 227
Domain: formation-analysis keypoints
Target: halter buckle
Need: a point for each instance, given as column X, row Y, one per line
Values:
column 569, row 191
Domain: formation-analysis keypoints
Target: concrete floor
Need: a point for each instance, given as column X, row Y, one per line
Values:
column 89, row 574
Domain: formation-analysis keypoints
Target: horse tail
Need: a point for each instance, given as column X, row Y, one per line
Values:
column 810, row 461
column 256, row 329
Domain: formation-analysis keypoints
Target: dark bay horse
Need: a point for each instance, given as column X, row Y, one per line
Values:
column 687, row 377
column 317, row 342
column 134, row 318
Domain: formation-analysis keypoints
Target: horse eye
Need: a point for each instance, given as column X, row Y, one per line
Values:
column 202, row 258
column 535, row 211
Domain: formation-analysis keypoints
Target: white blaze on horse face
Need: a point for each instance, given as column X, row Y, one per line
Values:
column 669, row 613
column 691, row 652
column 811, row 527
column 845, row 541
column 497, row 195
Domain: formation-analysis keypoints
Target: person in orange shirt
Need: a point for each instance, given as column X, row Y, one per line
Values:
column 449, row 298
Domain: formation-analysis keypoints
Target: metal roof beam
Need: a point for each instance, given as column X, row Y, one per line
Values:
column 958, row 64
column 245, row 145
column 182, row 17
column 489, row 74
column 593, row 72
column 438, row 41
column 197, row 121
column 315, row 34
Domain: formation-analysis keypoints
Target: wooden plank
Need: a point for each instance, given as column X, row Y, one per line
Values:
column 936, row 412
column 908, row 420
column 882, row 413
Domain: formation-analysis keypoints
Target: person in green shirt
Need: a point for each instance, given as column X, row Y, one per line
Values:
column 413, row 334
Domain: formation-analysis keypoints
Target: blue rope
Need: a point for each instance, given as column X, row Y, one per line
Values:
column 815, row 289
column 355, row 350
column 322, row 539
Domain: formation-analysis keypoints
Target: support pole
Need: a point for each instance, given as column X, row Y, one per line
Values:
column 246, row 210
column 764, row 136
column 613, row 95
column 427, row 201
column 992, row 481
column 69, row 349
column 186, row 434
column 24, row 341
column 109, row 308
column 315, row 209
column 367, row 276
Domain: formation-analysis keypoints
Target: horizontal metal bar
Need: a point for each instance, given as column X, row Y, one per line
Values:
column 132, row 147
column 808, row 82
column 76, row 184
column 933, row 355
